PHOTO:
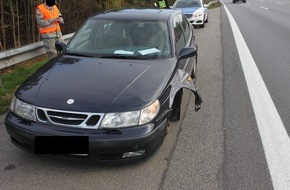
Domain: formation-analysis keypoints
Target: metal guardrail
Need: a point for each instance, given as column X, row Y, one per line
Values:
column 18, row 55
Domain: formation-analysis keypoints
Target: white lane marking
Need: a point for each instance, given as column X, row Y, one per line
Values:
column 275, row 140
column 263, row 7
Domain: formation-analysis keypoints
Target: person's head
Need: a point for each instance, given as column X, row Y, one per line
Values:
column 50, row 3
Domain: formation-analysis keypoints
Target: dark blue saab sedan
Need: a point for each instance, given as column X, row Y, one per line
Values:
column 112, row 91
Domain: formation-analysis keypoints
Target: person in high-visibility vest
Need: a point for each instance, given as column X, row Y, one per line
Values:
column 48, row 19
column 163, row 4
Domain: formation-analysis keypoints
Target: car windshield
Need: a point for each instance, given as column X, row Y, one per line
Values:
column 187, row 3
column 121, row 39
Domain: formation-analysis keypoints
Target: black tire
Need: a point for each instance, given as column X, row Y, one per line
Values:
column 203, row 24
column 206, row 21
column 176, row 107
column 234, row 1
column 193, row 74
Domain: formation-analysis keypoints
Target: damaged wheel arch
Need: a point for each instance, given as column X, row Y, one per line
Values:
column 180, row 81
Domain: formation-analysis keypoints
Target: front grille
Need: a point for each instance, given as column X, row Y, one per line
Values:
column 188, row 15
column 68, row 118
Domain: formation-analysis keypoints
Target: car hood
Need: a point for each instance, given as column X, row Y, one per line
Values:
column 189, row 10
column 97, row 85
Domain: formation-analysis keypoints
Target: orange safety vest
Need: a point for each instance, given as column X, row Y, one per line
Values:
column 48, row 14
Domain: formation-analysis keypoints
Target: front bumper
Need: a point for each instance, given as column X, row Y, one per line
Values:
column 196, row 20
column 103, row 145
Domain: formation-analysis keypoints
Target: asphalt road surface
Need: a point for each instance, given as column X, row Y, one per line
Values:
column 257, row 144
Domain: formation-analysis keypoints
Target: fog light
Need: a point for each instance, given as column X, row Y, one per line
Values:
column 133, row 154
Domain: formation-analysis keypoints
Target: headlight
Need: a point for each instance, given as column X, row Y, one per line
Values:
column 122, row 119
column 198, row 14
column 149, row 113
column 23, row 109
column 131, row 118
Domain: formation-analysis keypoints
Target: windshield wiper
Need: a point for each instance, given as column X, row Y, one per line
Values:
column 78, row 54
column 122, row 57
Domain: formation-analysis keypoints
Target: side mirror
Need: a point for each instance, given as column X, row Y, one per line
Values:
column 60, row 46
column 187, row 53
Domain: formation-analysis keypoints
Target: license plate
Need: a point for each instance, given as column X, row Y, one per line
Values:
column 61, row 145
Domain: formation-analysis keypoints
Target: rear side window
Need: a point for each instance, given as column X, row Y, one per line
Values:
column 178, row 33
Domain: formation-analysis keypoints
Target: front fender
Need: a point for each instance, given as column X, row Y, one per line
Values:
column 183, row 80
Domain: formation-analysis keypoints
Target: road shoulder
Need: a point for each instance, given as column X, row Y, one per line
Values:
column 198, row 154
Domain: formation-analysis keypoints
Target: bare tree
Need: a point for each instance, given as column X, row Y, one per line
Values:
column 3, row 31
column 12, row 23
column 18, row 26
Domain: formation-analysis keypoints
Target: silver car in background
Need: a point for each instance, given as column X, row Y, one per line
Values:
column 195, row 11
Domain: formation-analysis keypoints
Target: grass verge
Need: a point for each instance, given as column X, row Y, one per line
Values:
column 12, row 77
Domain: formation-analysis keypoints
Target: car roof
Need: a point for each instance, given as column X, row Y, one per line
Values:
column 137, row 14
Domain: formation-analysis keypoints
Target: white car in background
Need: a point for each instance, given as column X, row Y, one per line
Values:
column 195, row 11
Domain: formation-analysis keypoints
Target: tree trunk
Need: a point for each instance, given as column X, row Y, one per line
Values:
column 13, row 23
column 28, row 25
column 3, row 31
column 18, row 26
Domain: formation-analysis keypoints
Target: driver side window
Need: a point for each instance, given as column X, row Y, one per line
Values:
column 178, row 34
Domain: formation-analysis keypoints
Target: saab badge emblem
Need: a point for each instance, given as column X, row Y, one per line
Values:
column 70, row 101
